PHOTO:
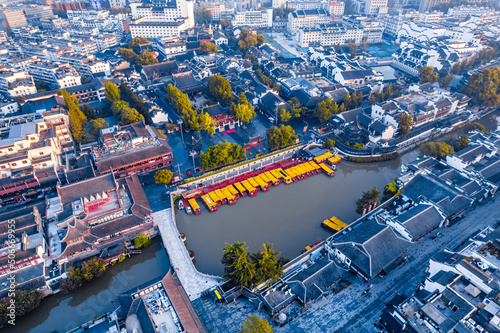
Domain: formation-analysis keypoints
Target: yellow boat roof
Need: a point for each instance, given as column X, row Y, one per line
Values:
column 207, row 200
column 214, row 196
column 326, row 168
column 240, row 187
column 264, row 177
column 193, row 204
column 232, row 190
column 220, row 194
column 253, row 182
column 323, row 157
column 227, row 194
column 339, row 222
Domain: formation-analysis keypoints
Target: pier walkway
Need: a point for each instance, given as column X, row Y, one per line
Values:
column 192, row 280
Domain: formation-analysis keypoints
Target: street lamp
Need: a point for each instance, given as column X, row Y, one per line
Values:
column 192, row 153
column 179, row 122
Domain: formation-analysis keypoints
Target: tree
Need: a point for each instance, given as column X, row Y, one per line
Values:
column 221, row 154
column 323, row 111
column 130, row 116
column 88, row 111
column 202, row 16
column 183, row 105
column 136, row 42
column 484, row 87
column 444, row 83
column 225, row 23
column 371, row 100
column 77, row 276
column 118, row 107
column 427, row 74
column 390, row 190
column 285, row 115
column 41, row 86
column 438, row 150
column 476, row 126
column 248, row 38
column 146, row 58
column 254, row 324
column 260, row 39
column 77, row 119
column 462, row 143
column 220, row 89
column 163, row 177
column 347, row 100
column 206, row 123
column 443, row 72
column 405, row 123
column 266, row 264
column 358, row 145
column 25, row 301
column 128, row 55
column 368, row 200
column 237, row 265
column 207, row 47
column 96, row 125
column 243, row 111
column 111, row 91
column 328, row 144
column 136, row 103
column 142, row 240
column 280, row 137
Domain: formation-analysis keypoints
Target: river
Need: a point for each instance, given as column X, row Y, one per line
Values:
column 288, row 216
column 61, row 312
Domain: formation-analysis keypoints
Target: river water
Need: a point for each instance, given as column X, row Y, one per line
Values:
column 289, row 216
column 62, row 312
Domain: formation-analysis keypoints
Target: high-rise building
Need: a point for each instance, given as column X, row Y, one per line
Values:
column 117, row 3
column 34, row 14
column 14, row 19
column 375, row 7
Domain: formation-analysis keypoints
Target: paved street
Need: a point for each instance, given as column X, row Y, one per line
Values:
column 349, row 311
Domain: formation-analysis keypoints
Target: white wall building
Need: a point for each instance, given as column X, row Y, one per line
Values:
column 330, row 34
column 118, row 3
column 254, row 19
column 307, row 19
column 16, row 83
column 375, row 7
column 170, row 13
column 147, row 28
column 56, row 76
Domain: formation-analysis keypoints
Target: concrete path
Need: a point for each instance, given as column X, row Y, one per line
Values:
column 194, row 282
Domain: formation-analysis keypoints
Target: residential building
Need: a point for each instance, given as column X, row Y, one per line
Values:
column 14, row 19
column 165, row 11
column 307, row 19
column 118, row 3
column 147, row 28
column 427, row 5
column 330, row 34
column 254, row 19
column 86, row 65
column 392, row 24
column 34, row 14
column 56, row 75
column 33, row 152
column 214, row 8
column 130, row 149
column 16, row 83
column 376, row 7
column 336, row 10
column 8, row 107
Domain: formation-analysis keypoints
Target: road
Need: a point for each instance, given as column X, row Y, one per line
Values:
column 349, row 311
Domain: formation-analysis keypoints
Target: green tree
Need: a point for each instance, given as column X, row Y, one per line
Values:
column 324, row 110
column 352, row 49
column 206, row 123
column 405, row 123
column 255, row 324
column 88, row 111
column 163, row 177
column 221, row 154
column 248, row 38
column 183, row 105
column 118, row 107
column 136, row 103
column 225, row 23
column 41, row 86
column 328, row 144
column 146, row 58
column 438, row 150
column 77, row 119
column 443, row 72
column 220, row 89
column 484, row 87
column 142, row 240
column 96, row 125
column 130, row 116
column 128, row 55
column 371, row 100
column 369, row 198
column 444, row 83
column 243, row 111
column 390, row 190
column 202, row 16
column 285, row 115
column 427, row 74
column 111, row 91
column 476, row 126
column 266, row 264
column 136, row 42
column 207, row 47
column 237, row 265
column 280, row 137
column 260, row 39
column 462, row 143
column 358, row 145
column 25, row 301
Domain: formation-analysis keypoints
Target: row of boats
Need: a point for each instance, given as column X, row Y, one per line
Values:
column 334, row 224
column 252, row 184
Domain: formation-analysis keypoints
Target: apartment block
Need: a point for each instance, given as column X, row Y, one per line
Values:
column 148, row 28
column 254, row 19
column 56, row 75
column 16, row 83
column 330, row 34
column 307, row 19
column 14, row 19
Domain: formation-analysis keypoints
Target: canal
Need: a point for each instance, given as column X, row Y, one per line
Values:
column 61, row 312
column 289, row 216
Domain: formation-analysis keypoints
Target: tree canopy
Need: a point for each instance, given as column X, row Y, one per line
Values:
column 221, row 154
column 266, row 264
column 324, row 110
column 135, row 102
column 237, row 265
column 135, row 42
column 255, row 324
column 484, row 87
column 243, row 111
column 88, row 111
column 438, row 150
column 25, row 301
column 427, row 74
column 142, row 59
column 285, row 115
column 405, row 123
column 369, row 198
column 96, row 125
column 280, row 137
column 142, row 240
column 77, row 276
column 77, row 119
column 202, row 16
column 163, row 177
column 111, row 91
column 208, row 47
column 220, row 89
column 248, row 38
